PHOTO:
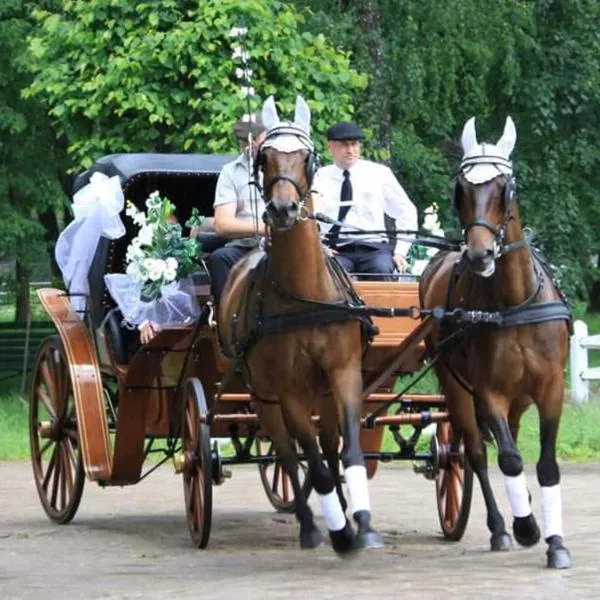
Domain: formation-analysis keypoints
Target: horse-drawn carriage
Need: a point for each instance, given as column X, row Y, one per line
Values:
column 102, row 404
column 294, row 356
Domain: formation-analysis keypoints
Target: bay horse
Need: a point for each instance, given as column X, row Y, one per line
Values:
column 490, row 374
column 280, row 316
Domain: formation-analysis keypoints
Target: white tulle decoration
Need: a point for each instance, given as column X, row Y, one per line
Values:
column 177, row 304
column 96, row 208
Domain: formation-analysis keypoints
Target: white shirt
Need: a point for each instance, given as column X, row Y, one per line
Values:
column 232, row 187
column 375, row 191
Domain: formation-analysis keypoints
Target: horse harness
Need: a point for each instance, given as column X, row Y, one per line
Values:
column 529, row 312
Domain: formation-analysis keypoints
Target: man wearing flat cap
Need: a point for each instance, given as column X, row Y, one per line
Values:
column 358, row 193
column 238, row 206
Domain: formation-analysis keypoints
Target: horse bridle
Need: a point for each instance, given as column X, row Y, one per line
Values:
column 509, row 200
column 310, row 168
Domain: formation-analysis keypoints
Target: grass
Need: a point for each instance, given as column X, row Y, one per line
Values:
column 14, row 441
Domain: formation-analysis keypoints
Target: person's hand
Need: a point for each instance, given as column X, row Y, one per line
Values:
column 401, row 263
column 147, row 333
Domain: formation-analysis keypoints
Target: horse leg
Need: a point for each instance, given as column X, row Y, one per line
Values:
column 525, row 528
column 462, row 415
column 329, row 437
column 300, row 426
column 346, row 385
column 272, row 419
column 548, row 475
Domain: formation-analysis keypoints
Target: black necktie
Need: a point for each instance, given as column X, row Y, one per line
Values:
column 345, row 196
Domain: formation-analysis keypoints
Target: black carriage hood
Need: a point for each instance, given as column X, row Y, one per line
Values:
column 129, row 166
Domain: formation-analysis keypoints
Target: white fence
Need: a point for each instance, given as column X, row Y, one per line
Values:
column 581, row 374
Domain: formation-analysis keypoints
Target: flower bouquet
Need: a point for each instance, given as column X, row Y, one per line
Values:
column 159, row 254
column 155, row 286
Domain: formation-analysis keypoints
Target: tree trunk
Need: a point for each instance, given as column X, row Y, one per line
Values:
column 22, row 296
column 50, row 225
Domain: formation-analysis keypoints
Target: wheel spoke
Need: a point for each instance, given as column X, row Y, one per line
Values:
column 50, row 470
column 55, row 481
column 70, row 452
column 458, row 472
column 46, row 401
column 285, row 484
column 68, row 461
column 48, row 380
column 42, row 450
column 276, row 472
column 63, row 478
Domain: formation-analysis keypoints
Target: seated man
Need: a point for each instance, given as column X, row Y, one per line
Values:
column 238, row 206
column 359, row 192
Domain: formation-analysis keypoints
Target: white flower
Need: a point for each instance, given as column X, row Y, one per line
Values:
column 133, row 270
column 155, row 194
column 169, row 274
column 243, row 73
column 156, row 268
column 247, row 91
column 172, row 263
column 146, row 234
column 241, row 54
column 237, row 31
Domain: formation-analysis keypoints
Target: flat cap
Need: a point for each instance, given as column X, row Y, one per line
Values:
column 246, row 123
column 345, row 130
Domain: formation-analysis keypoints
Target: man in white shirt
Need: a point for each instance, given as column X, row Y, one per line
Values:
column 238, row 207
column 358, row 193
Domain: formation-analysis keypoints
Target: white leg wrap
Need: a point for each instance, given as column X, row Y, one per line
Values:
column 356, row 484
column 332, row 511
column 552, row 510
column 518, row 496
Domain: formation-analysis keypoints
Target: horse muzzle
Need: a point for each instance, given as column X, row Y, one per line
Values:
column 482, row 262
column 281, row 215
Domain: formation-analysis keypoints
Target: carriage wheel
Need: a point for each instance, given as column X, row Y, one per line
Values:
column 277, row 483
column 453, row 483
column 54, row 441
column 195, row 462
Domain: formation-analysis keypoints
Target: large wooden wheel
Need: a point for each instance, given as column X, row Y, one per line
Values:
column 54, row 439
column 276, row 482
column 453, row 483
column 195, row 462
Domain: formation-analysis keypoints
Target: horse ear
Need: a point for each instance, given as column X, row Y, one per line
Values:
column 270, row 118
column 468, row 138
column 507, row 142
column 302, row 115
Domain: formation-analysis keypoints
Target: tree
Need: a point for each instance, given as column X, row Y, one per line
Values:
column 29, row 180
column 119, row 76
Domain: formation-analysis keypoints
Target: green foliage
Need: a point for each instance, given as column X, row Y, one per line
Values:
column 29, row 181
column 119, row 76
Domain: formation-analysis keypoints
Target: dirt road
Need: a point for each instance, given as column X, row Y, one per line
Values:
column 133, row 543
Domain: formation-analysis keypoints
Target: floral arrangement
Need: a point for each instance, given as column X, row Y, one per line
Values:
column 160, row 254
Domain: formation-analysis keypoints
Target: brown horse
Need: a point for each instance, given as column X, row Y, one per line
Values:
column 491, row 375
column 304, row 363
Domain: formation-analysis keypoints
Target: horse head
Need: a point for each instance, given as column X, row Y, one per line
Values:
column 288, row 162
column 484, row 196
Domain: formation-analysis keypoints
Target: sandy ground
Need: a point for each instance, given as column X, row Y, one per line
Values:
column 133, row 543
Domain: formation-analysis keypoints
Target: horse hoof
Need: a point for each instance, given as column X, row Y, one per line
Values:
column 311, row 539
column 368, row 539
column 343, row 540
column 526, row 531
column 559, row 558
column 501, row 542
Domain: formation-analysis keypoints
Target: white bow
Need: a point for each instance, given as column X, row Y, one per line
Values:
column 104, row 195
column 96, row 208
